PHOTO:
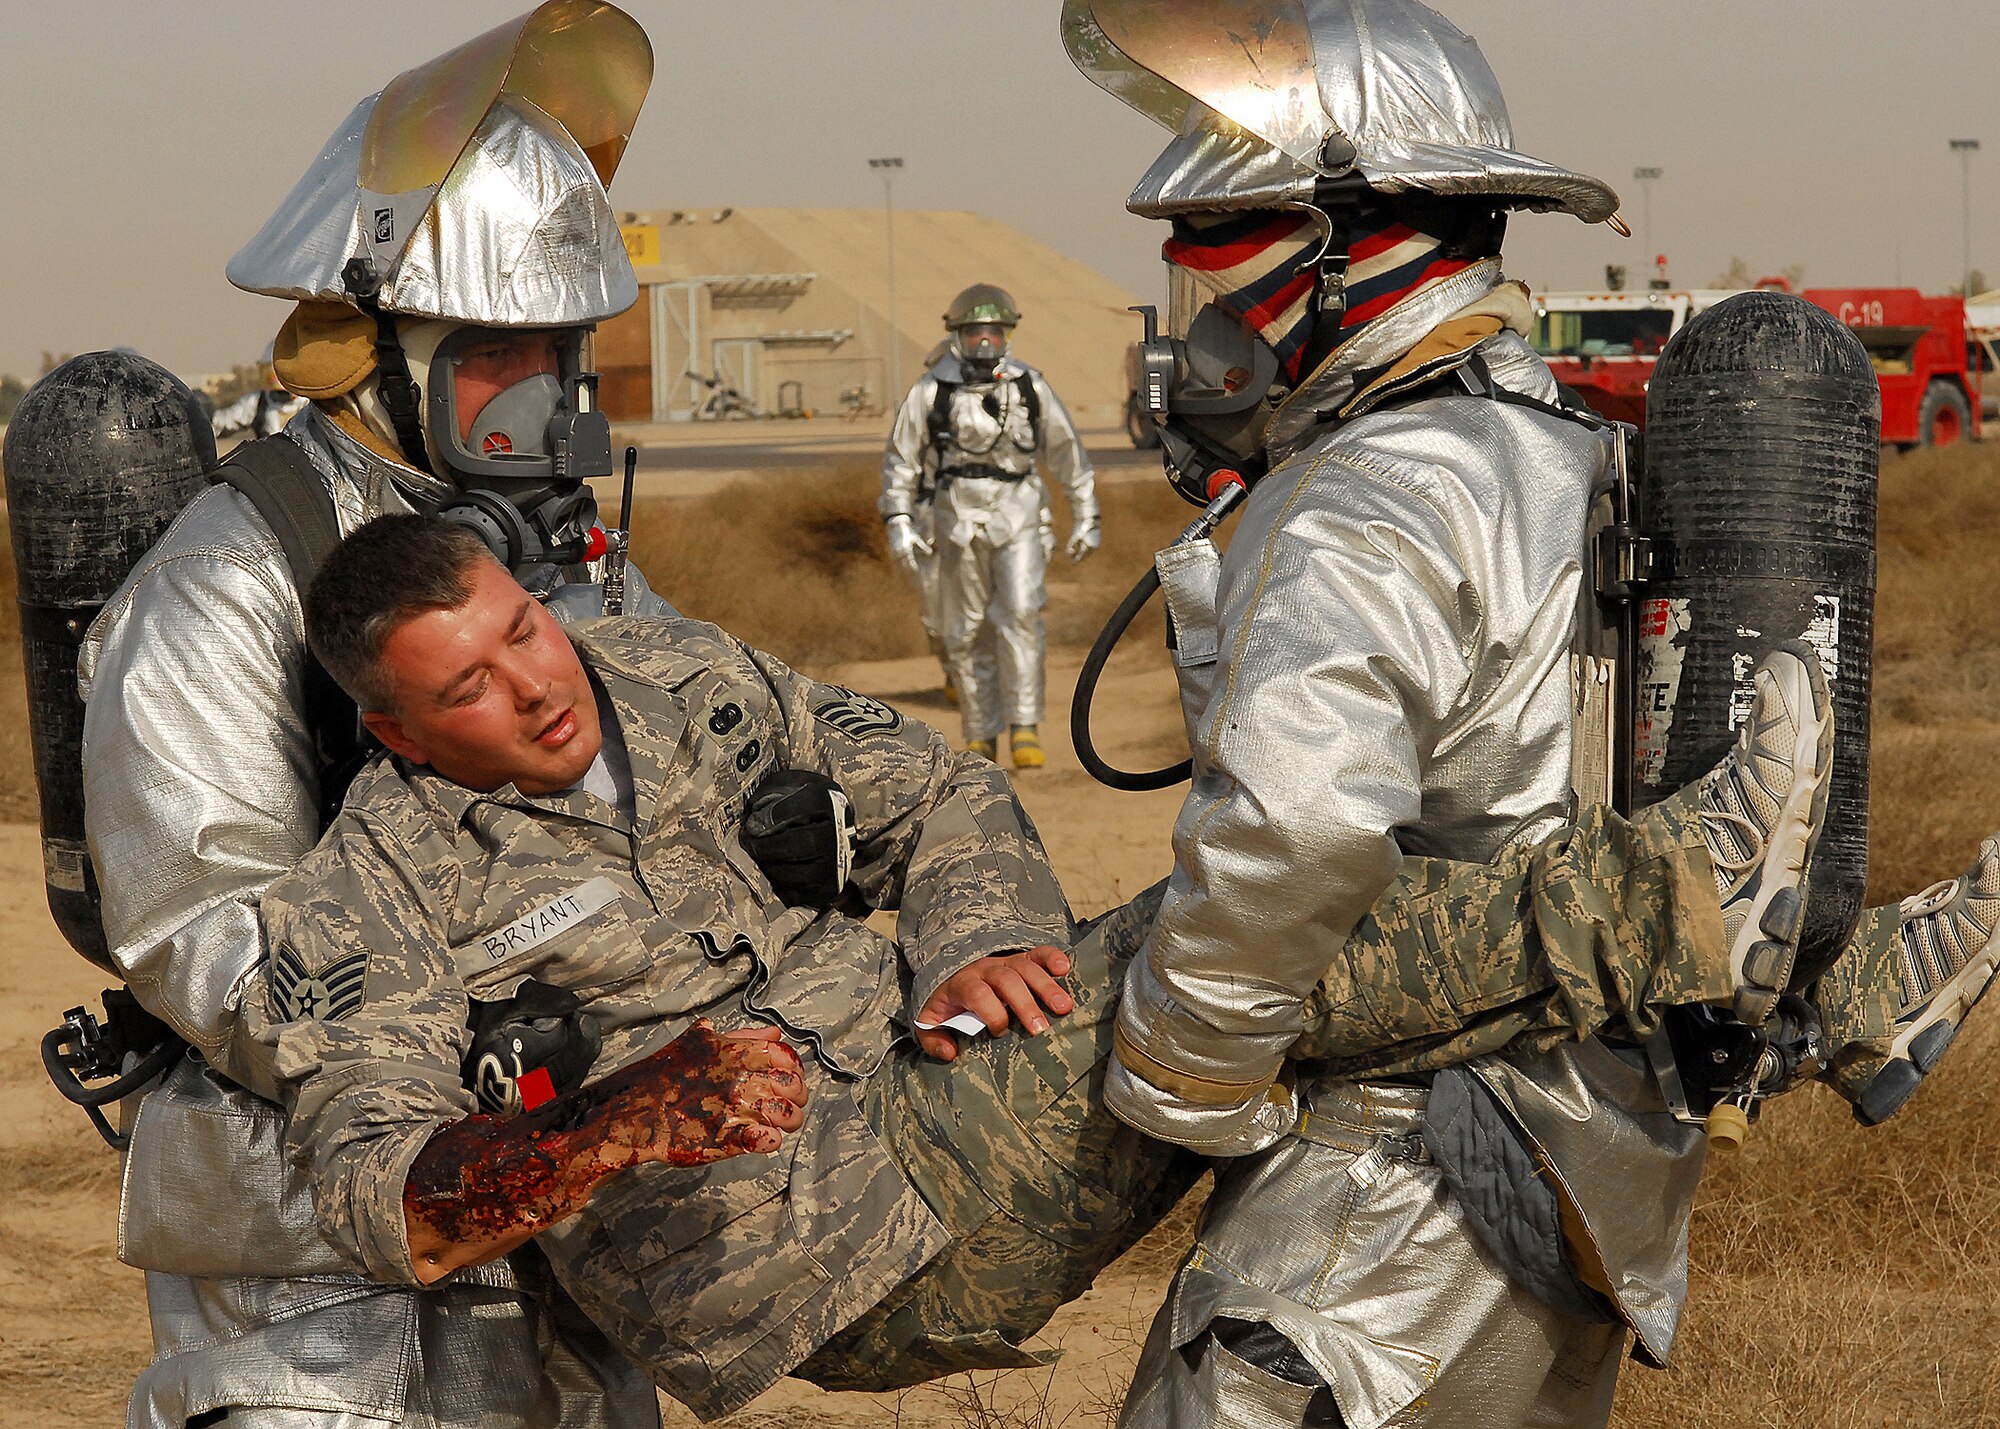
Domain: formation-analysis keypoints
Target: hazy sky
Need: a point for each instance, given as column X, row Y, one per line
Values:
column 144, row 141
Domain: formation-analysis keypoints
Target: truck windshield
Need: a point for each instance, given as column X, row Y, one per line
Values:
column 1634, row 332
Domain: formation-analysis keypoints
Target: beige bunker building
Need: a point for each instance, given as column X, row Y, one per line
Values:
column 792, row 309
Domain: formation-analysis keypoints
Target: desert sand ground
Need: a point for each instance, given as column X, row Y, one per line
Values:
column 1841, row 1278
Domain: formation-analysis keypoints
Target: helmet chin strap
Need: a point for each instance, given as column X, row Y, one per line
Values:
column 394, row 386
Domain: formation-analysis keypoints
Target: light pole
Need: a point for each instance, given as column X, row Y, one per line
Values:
column 1645, row 178
column 1965, row 149
column 887, row 168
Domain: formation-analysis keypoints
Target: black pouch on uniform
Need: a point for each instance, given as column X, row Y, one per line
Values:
column 536, row 1045
column 799, row 829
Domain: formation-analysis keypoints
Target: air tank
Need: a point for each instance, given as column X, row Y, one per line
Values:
column 1762, row 451
column 100, row 456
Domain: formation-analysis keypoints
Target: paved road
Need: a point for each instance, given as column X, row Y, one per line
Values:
column 662, row 457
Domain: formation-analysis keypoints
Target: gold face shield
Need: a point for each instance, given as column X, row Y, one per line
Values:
column 585, row 64
column 1250, row 62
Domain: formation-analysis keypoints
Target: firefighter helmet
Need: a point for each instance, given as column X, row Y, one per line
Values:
column 982, row 303
column 1268, row 98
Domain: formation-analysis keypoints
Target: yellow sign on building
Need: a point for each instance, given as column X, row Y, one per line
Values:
column 642, row 244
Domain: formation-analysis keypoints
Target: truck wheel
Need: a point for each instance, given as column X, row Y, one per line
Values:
column 1139, row 427
column 1945, row 417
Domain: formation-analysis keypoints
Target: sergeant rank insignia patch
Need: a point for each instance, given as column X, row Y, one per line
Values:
column 324, row 995
column 856, row 716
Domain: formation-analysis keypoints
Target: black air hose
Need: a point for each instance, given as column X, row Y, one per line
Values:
column 1086, row 690
column 1226, row 490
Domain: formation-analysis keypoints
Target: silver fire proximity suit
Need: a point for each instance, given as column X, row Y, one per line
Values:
column 930, row 593
column 202, row 782
column 1381, row 664
column 1389, row 673
column 988, row 531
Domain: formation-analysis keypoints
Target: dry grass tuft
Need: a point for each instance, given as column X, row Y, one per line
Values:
column 798, row 567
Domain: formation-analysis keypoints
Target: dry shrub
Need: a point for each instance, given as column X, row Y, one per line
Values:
column 795, row 566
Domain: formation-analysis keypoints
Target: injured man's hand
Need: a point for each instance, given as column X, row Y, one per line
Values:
column 987, row 992
column 485, row 1185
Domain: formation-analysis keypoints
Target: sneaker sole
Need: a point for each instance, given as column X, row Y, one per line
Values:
column 1780, row 911
column 1919, row 1047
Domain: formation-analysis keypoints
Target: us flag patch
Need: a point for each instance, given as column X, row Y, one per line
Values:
column 856, row 716
column 320, row 995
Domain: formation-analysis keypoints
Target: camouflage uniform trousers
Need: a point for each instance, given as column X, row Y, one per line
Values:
column 1595, row 930
column 1858, row 1000
column 1041, row 1188
column 1602, row 926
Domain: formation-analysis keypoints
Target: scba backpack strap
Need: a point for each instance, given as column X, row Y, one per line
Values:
column 276, row 477
column 940, row 421
column 1031, row 399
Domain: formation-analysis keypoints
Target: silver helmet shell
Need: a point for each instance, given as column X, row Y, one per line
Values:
column 475, row 184
column 1267, row 98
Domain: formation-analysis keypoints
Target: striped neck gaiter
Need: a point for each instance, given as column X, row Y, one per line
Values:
column 1386, row 265
column 1259, row 267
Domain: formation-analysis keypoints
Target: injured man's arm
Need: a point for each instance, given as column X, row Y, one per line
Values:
column 485, row 1185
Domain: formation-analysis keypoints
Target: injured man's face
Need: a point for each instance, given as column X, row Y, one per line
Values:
column 490, row 693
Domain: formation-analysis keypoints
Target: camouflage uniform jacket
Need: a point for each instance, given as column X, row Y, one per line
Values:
column 425, row 895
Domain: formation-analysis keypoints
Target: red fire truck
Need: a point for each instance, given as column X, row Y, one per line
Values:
column 1605, row 344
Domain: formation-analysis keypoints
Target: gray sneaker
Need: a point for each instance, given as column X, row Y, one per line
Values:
column 1761, row 810
column 1947, row 960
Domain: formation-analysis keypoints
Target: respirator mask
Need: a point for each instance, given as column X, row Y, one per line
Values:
column 980, row 347
column 1257, row 302
column 512, row 415
column 1243, row 293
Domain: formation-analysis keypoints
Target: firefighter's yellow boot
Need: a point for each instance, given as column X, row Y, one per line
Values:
column 985, row 748
column 1026, row 744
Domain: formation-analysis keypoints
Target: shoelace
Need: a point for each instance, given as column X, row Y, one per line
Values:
column 1737, row 841
column 1933, row 947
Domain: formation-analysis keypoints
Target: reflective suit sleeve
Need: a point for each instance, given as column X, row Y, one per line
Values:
column 939, row 835
column 199, row 785
column 570, row 603
column 909, row 446
column 1063, row 459
column 367, row 1021
column 642, row 599
column 1342, row 646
